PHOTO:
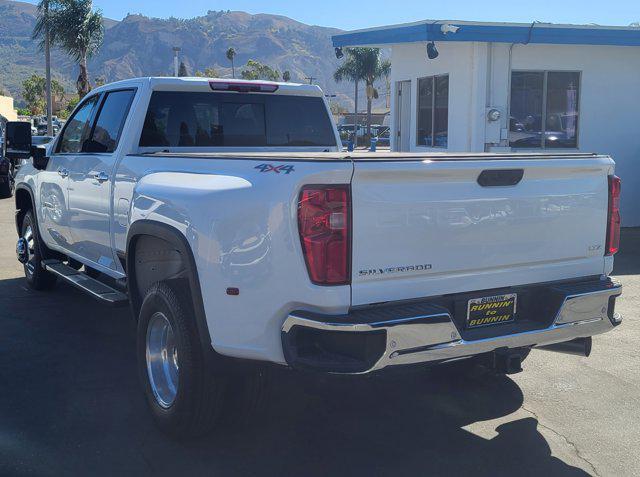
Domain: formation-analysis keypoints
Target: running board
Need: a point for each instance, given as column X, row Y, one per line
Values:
column 91, row 286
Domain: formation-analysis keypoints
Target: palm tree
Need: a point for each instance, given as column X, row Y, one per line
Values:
column 349, row 72
column 77, row 29
column 364, row 64
column 231, row 53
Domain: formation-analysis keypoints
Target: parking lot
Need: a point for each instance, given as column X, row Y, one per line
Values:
column 70, row 403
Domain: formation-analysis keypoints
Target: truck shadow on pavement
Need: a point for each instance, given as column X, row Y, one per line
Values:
column 71, row 404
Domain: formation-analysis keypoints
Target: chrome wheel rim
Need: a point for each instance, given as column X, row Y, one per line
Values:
column 31, row 250
column 162, row 360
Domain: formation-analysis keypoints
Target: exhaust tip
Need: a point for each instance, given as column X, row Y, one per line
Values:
column 578, row 347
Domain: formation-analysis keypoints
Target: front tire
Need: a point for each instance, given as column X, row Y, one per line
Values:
column 37, row 277
column 184, row 394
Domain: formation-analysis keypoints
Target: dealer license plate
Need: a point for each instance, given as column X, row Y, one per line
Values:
column 491, row 310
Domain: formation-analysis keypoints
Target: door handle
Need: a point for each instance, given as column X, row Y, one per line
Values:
column 101, row 177
column 62, row 172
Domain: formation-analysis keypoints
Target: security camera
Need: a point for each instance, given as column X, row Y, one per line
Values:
column 449, row 28
column 432, row 51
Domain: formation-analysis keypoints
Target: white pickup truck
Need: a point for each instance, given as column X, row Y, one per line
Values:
column 227, row 215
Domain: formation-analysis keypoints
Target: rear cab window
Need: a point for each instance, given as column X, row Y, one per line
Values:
column 203, row 119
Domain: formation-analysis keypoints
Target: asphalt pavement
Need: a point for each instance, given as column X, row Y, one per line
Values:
column 71, row 404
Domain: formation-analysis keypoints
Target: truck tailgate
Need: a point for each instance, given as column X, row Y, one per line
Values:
column 427, row 227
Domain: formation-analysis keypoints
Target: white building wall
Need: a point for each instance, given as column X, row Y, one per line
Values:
column 609, row 120
column 6, row 108
column 459, row 61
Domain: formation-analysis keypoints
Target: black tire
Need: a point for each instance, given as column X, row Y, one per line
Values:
column 200, row 392
column 37, row 277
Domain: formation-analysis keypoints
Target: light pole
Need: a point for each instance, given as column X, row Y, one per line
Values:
column 176, row 50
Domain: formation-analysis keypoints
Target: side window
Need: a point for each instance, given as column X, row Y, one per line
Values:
column 544, row 109
column 108, row 126
column 433, row 111
column 77, row 128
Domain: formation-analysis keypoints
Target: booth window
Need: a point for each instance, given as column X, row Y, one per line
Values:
column 433, row 111
column 544, row 109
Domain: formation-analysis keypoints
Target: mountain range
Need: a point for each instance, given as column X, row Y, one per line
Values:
column 142, row 46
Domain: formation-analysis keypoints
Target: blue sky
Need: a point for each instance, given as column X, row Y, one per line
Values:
column 349, row 15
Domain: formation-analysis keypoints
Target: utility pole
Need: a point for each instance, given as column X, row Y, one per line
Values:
column 310, row 78
column 176, row 50
column 47, row 55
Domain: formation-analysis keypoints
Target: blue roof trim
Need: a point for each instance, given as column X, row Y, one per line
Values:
column 491, row 33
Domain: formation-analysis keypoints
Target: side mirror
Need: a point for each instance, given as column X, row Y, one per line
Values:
column 17, row 140
column 40, row 158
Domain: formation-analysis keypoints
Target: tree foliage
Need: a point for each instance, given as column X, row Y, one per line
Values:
column 207, row 73
column 34, row 93
column 256, row 70
column 74, row 27
column 286, row 76
column 182, row 70
column 71, row 105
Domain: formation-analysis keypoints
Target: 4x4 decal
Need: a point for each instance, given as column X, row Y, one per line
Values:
column 285, row 168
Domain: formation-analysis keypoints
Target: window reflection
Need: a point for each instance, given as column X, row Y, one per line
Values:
column 560, row 126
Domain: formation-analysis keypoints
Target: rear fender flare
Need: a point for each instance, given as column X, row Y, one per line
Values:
column 174, row 237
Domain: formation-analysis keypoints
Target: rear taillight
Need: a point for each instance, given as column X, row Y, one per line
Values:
column 324, row 224
column 613, row 217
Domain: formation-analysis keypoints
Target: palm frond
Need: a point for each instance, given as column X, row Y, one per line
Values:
column 362, row 64
column 73, row 26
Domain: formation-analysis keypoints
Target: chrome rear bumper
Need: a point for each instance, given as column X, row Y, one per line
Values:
column 423, row 332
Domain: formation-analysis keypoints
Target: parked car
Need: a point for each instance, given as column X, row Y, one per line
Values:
column 41, row 140
column 6, row 180
column 346, row 131
column 225, row 214
column 382, row 134
column 42, row 129
column 10, row 155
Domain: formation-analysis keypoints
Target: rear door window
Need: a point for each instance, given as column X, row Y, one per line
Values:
column 108, row 126
column 185, row 119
